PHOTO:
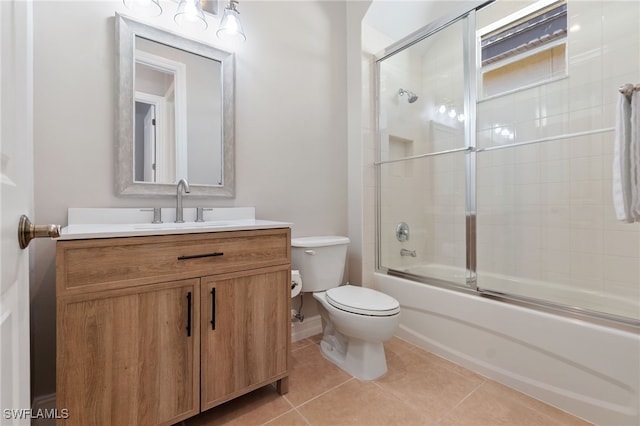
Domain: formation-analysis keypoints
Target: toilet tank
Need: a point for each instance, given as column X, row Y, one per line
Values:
column 320, row 261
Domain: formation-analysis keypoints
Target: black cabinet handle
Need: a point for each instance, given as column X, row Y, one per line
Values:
column 198, row 256
column 189, row 314
column 213, row 308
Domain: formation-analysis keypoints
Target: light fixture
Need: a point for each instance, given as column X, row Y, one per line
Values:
column 144, row 7
column 230, row 25
column 190, row 15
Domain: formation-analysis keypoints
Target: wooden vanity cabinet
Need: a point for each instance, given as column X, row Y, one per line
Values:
column 245, row 332
column 126, row 357
column 152, row 330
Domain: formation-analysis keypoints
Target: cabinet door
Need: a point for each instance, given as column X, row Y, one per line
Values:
column 131, row 356
column 246, row 332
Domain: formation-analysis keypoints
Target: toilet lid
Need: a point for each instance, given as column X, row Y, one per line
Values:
column 361, row 300
column 322, row 241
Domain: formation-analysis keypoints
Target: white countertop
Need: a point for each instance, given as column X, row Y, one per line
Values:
column 109, row 223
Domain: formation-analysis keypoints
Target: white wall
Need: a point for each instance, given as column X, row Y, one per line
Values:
column 291, row 138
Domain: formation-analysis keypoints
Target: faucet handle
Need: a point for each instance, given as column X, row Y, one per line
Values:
column 200, row 213
column 157, row 214
column 402, row 232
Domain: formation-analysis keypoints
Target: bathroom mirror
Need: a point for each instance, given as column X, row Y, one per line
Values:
column 175, row 115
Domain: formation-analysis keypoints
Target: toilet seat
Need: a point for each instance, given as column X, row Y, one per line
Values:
column 362, row 301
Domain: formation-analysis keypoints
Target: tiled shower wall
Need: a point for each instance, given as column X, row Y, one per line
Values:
column 545, row 210
column 545, row 213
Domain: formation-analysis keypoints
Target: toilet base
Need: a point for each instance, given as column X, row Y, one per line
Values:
column 363, row 360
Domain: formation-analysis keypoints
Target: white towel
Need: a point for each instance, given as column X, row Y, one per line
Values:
column 634, row 154
column 621, row 161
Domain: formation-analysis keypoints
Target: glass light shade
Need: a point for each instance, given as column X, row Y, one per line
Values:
column 230, row 25
column 144, row 7
column 190, row 15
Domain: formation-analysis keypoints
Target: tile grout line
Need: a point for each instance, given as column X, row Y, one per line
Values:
column 455, row 407
column 296, row 408
column 293, row 409
column 351, row 378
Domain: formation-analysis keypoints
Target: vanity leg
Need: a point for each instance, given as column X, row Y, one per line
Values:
column 282, row 385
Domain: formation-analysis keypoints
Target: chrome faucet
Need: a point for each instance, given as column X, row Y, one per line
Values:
column 405, row 252
column 182, row 184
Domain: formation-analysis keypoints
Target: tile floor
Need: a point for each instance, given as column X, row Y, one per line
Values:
column 419, row 389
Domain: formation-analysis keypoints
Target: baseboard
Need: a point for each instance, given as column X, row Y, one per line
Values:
column 309, row 327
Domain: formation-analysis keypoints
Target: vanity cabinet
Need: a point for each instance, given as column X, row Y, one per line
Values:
column 154, row 329
column 125, row 356
column 244, row 332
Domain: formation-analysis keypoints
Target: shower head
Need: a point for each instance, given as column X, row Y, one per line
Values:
column 411, row 97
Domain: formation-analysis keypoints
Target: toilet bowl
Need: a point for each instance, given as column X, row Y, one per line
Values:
column 355, row 320
column 353, row 336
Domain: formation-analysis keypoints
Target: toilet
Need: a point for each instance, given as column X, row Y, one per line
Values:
column 355, row 320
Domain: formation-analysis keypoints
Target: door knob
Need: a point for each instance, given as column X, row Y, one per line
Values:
column 27, row 231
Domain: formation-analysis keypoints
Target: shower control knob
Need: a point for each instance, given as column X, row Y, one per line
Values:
column 402, row 232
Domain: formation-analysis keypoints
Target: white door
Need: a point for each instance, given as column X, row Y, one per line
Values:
column 16, row 198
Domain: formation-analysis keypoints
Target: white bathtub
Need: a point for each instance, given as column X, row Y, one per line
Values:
column 535, row 289
column 589, row 370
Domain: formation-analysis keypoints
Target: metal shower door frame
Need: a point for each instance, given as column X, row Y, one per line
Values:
column 467, row 16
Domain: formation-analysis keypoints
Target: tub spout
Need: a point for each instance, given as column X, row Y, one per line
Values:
column 405, row 252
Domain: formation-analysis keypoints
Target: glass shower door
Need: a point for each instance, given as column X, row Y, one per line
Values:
column 423, row 121
column 546, row 228
column 474, row 124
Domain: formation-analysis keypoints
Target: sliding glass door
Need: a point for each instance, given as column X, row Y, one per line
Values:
column 495, row 156
column 422, row 157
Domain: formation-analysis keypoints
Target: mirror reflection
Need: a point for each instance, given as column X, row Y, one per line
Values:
column 175, row 113
column 177, row 118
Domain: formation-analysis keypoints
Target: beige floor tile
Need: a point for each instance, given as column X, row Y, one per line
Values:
column 316, row 338
column 254, row 408
column 359, row 403
column 291, row 418
column 398, row 346
column 312, row 375
column 419, row 389
column 493, row 406
column 505, row 393
column 421, row 380
column 439, row 361
column 300, row 344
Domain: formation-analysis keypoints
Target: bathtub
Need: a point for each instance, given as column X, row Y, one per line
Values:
column 535, row 289
column 587, row 369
